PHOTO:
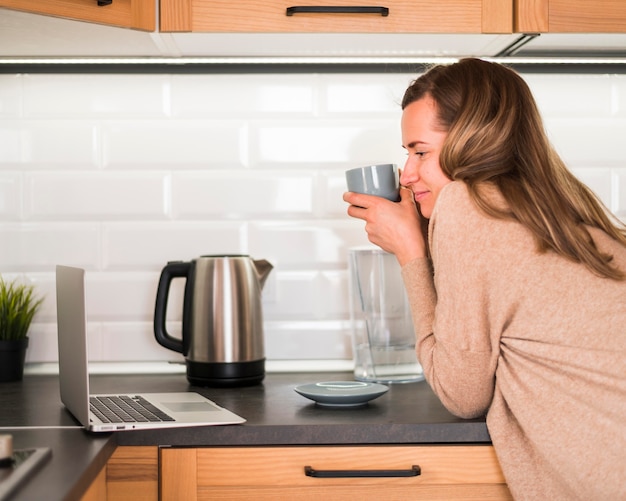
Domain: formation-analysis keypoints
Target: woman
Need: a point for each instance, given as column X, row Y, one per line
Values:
column 518, row 290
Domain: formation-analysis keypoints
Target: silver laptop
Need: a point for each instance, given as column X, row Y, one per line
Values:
column 98, row 412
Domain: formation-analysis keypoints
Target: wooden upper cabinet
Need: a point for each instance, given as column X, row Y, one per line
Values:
column 367, row 16
column 138, row 14
column 570, row 16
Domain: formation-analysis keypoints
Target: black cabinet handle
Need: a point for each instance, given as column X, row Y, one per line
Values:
column 102, row 3
column 414, row 471
column 383, row 11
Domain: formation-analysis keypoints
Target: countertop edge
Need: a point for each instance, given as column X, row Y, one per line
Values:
column 80, row 487
column 470, row 432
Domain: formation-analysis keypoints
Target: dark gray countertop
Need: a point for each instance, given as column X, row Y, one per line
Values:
column 276, row 415
column 76, row 460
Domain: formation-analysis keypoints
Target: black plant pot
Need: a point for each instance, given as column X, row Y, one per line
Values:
column 12, row 357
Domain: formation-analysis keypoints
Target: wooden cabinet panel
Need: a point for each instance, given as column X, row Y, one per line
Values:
column 481, row 492
column 179, row 475
column 138, row 14
column 272, row 473
column 531, row 16
column 133, row 474
column 497, row 16
column 404, row 16
column 570, row 16
column 98, row 489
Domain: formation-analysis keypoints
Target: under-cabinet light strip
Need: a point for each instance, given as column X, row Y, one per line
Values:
column 338, row 60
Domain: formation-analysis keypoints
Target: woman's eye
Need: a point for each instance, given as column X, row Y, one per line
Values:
column 417, row 153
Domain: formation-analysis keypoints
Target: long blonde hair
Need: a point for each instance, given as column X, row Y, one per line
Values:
column 496, row 135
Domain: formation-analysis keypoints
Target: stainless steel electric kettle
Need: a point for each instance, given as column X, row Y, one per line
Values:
column 222, row 331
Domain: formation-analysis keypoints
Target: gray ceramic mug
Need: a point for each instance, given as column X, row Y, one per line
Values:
column 382, row 180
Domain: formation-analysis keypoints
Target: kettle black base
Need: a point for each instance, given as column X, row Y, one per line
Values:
column 225, row 374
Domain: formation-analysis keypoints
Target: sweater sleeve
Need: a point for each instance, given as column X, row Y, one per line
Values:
column 456, row 344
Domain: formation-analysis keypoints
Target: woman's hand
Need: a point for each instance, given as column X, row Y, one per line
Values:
column 393, row 226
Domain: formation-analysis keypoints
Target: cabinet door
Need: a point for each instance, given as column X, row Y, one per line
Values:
column 132, row 474
column 570, row 16
column 139, row 14
column 340, row 473
column 98, row 489
column 321, row 16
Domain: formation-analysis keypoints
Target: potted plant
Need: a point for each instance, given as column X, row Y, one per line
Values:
column 18, row 306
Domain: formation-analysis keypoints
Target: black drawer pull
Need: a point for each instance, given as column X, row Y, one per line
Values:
column 383, row 11
column 312, row 472
column 102, row 3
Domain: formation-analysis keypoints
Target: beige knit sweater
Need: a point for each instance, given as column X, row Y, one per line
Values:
column 533, row 340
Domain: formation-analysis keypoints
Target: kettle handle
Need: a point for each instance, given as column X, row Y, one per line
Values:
column 172, row 270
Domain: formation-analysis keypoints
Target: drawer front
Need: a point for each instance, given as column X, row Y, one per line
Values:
column 256, row 466
column 278, row 473
column 402, row 16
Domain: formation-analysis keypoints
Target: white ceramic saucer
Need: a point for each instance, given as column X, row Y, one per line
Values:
column 341, row 393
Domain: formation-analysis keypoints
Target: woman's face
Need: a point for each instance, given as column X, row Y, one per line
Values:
column 422, row 141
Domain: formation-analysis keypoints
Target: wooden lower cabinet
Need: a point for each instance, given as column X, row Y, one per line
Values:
column 278, row 473
column 447, row 473
column 98, row 489
column 132, row 474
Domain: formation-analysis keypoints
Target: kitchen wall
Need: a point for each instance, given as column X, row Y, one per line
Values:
column 121, row 173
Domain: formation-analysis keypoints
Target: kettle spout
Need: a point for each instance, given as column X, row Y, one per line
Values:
column 263, row 268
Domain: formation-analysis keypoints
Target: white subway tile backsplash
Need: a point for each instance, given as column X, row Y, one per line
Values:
column 29, row 247
column 95, row 95
column 10, row 195
column 96, row 195
column 334, row 302
column 132, row 342
column 176, row 144
column 572, row 95
column 592, row 142
column 10, row 142
column 237, row 194
column 619, row 95
column 243, row 95
column 148, row 245
column 115, row 297
column 69, row 144
column 365, row 94
column 294, row 293
column 308, row 341
column 306, row 244
column 342, row 143
column 122, row 173
column 10, row 96
column 42, row 343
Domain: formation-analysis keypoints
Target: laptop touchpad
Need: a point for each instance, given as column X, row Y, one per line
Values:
column 190, row 406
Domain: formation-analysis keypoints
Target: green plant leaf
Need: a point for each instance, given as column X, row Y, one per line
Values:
column 18, row 306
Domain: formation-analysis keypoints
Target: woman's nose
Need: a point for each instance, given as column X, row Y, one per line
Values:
column 408, row 175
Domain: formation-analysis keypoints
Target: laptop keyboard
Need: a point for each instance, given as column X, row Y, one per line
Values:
column 126, row 409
